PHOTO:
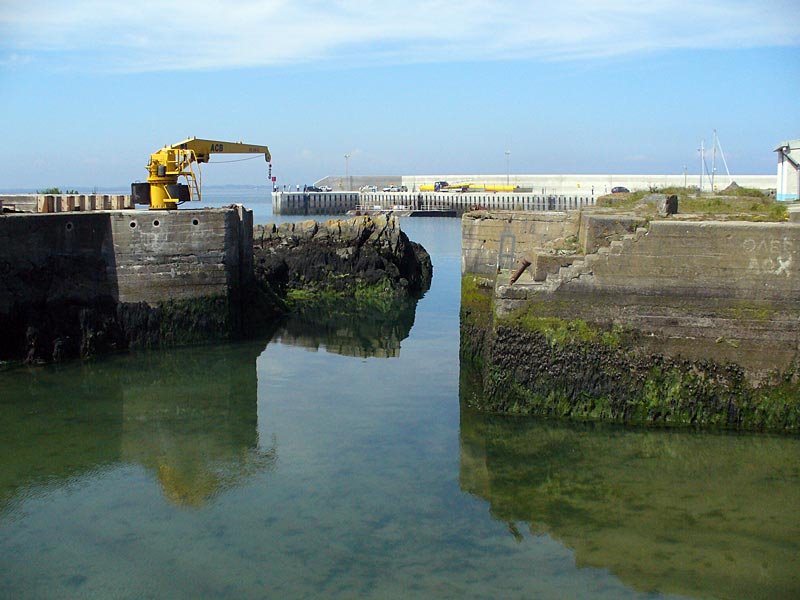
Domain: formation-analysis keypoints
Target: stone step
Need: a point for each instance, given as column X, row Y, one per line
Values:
column 569, row 272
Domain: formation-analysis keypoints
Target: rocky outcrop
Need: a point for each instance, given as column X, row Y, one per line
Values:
column 367, row 258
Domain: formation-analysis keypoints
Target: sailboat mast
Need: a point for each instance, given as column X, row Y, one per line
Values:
column 713, row 161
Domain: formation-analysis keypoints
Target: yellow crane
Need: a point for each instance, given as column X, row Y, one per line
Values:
column 162, row 190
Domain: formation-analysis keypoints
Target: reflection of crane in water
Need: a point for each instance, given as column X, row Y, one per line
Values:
column 193, row 480
column 195, row 425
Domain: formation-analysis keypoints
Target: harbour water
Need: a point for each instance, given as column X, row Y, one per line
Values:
column 338, row 463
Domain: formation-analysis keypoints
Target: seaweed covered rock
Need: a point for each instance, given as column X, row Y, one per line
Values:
column 567, row 368
column 365, row 258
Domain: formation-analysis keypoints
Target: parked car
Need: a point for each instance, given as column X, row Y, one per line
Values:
column 313, row 188
column 325, row 188
column 619, row 190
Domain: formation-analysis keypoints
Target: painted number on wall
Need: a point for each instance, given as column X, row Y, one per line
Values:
column 770, row 256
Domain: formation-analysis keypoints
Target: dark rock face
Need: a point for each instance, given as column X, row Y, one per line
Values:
column 340, row 256
column 57, row 331
column 61, row 331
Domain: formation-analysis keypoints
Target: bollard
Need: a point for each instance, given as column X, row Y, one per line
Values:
column 44, row 204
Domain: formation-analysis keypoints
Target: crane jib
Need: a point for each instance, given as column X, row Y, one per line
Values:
column 162, row 190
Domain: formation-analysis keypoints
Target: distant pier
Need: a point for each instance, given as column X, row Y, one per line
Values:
column 335, row 203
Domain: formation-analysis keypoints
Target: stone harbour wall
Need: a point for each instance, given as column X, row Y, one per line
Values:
column 503, row 238
column 671, row 322
column 82, row 283
column 757, row 261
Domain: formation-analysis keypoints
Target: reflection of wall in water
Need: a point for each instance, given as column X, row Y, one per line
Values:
column 55, row 426
column 701, row 515
column 348, row 331
column 187, row 416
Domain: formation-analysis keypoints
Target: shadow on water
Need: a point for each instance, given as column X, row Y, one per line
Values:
column 705, row 515
column 188, row 416
column 350, row 331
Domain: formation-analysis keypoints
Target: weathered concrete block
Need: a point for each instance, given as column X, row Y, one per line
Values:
column 488, row 235
column 44, row 204
column 598, row 229
column 664, row 205
column 550, row 263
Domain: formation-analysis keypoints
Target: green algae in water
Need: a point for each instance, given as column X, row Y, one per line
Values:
column 697, row 515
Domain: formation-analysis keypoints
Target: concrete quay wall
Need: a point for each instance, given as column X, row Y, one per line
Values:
column 596, row 185
column 734, row 260
column 341, row 183
column 679, row 281
column 671, row 322
column 313, row 203
column 501, row 239
column 731, row 259
column 80, row 283
column 168, row 255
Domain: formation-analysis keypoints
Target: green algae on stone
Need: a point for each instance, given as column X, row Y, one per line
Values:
column 564, row 369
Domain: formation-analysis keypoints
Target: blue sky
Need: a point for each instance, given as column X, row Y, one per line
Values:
column 91, row 88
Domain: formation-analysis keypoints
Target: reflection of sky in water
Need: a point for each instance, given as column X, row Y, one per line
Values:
column 251, row 471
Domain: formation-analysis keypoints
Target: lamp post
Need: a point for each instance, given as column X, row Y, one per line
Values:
column 347, row 170
column 508, row 154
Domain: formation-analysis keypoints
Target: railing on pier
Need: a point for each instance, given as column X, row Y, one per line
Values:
column 317, row 203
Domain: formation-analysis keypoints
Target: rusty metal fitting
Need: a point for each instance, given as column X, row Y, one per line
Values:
column 524, row 264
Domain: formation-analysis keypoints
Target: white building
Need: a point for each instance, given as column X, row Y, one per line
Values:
column 788, row 187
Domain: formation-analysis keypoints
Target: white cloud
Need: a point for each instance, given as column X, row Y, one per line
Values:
column 14, row 60
column 162, row 35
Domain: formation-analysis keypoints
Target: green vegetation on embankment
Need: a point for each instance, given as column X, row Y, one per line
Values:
column 54, row 191
column 736, row 203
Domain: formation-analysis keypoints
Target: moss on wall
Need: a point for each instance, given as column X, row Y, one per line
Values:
column 571, row 369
